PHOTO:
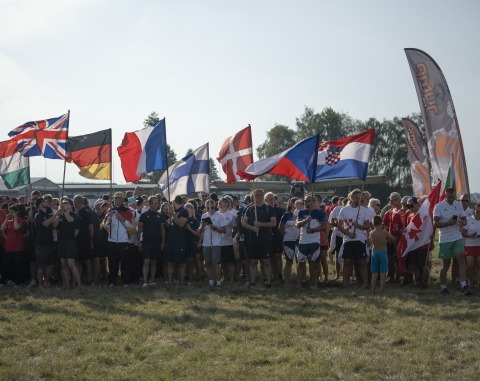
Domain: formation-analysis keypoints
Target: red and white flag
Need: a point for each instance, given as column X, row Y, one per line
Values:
column 419, row 231
column 236, row 154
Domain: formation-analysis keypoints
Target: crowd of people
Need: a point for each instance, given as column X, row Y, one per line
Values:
column 146, row 240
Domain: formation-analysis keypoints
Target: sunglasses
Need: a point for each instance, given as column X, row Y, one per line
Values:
column 164, row 207
column 153, row 202
column 212, row 207
column 188, row 207
column 308, row 200
column 64, row 203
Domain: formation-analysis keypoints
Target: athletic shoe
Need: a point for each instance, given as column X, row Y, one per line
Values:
column 189, row 284
column 405, row 282
column 466, row 291
column 125, row 285
column 152, row 284
column 10, row 283
column 145, row 285
column 444, row 292
column 247, row 283
column 166, row 283
column 111, row 285
column 33, row 283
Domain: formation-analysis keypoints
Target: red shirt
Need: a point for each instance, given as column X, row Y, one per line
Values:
column 398, row 223
column 329, row 209
column 14, row 242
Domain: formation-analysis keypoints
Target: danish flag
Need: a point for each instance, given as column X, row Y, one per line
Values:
column 44, row 137
column 236, row 154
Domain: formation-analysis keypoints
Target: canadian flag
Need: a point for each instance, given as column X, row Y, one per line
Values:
column 419, row 231
column 236, row 154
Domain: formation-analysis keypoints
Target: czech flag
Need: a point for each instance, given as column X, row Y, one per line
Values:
column 143, row 151
column 347, row 157
column 298, row 162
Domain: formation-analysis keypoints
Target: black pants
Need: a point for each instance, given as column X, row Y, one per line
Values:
column 14, row 267
column 118, row 252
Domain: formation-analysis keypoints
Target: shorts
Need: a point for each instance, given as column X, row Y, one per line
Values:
column 242, row 252
column 175, row 252
column 308, row 251
column 85, row 252
column 259, row 249
column 227, row 254
column 289, row 249
column 277, row 246
column 354, row 250
column 338, row 243
column 190, row 249
column 324, row 247
column 212, row 254
column 151, row 251
column 379, row 262
column 66, row 249
column 472, row 251
column 45, row 256
column 418, row 257
column 447, row 250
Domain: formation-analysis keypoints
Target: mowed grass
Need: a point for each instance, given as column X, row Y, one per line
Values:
column 233, row 333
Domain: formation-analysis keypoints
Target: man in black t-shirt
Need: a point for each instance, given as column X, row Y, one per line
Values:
column 32, row 210
column 258, row 220
column 175, row 248
column 44, row 249
column 98, row 249
column 152, row 241
column 84, row 237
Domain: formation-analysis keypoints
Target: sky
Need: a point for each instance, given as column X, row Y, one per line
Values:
column 212, row 67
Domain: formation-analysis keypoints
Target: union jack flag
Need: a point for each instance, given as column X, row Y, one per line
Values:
column 44, row 137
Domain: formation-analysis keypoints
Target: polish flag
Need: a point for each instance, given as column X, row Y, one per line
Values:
column 419, row 231
column 236, row 154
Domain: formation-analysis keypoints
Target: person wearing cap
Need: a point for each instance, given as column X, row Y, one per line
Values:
column 98, row 208
column 226, row 245
column 151, row 240
column 44, row 248
column 471, row 235
column 175, row 246
column 417, row 259
column 120, row 224
column 289, row 232
column 448, row 215
column 67, row 227
column 395, row 202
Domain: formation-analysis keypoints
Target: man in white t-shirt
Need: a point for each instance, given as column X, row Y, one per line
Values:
column 227, row 253
column 448, row 215
column 213, row 226
column 353, row 223
column 336, row 240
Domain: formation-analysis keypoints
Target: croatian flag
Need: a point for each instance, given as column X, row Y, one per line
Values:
column 236, row 154
column 347, row 157
column 298, row 162
column 44, row 137
column 419, row 231
column 191, row 174
column 143, row 151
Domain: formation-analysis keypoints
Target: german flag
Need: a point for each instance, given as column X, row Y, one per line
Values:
column 92, row 153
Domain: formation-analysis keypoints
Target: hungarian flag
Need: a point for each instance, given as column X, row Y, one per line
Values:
column 236, row 154
column 419, row 231
column 450, row 180
column 92, row 153
column 14, row 167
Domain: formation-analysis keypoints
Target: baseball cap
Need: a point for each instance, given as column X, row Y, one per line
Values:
column 98, row 202
column 228, row 197
column 412, row 200
column 395, row 195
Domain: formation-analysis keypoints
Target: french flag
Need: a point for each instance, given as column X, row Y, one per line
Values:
column 298, row 162
column 347, row 157
column 143, row 151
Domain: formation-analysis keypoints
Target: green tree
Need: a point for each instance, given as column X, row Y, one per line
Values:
column 329, row 124
column 154, row 176
column 279, row 139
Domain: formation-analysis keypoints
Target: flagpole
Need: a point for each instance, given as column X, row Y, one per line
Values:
column 65, row 158
column 168, row 165
column 111, row 166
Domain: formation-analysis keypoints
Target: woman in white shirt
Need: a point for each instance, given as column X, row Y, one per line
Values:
column 471, row 233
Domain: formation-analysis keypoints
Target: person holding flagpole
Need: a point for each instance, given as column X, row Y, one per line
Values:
column 447, row 216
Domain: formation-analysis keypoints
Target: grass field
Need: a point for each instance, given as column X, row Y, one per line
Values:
column 233, row 333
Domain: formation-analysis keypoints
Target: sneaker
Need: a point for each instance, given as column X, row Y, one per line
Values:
column 145, row 285
column 405, row 282
column 10, row 283
column 466, row 291
column 111, row 285
column 33, row 283
column 247, row 283
column 152, row 284
column 189, row 284
column 125, row 285
column 166, row 283
column 444, row 292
